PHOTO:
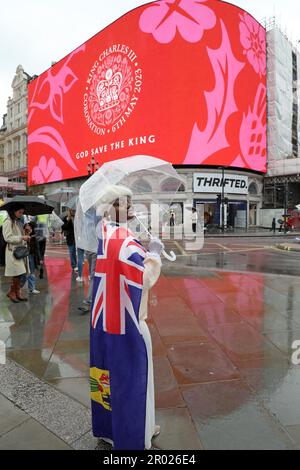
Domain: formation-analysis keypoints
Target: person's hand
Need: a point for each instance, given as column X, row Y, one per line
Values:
column 156, row 246
column 26, row 238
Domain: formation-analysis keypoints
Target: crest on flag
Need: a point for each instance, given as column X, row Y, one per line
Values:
column 100, row 387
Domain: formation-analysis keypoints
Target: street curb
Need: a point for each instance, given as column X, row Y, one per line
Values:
column 288, row 248
column 240, row 235
column 63, row 416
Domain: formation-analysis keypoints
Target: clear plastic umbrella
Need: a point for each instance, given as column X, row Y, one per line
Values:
column 72, row 203
column 125, row 171
column 54, row 222
column 146, row 176
column 85, row 229
column 62, row 194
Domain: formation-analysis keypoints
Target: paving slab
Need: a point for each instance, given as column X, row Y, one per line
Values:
column 10, row 415
column 61, row 415
column 198, row 362
column 31, row 435
column 177, row 430
column 228, row 417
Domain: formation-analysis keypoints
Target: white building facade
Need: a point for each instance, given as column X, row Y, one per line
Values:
column 282, row 182
column 13, row 133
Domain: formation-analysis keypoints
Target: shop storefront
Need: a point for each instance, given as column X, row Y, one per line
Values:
column 241, row 190
column 10, row 188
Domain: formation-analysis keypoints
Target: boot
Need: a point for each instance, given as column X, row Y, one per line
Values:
column 11, row 293
column 18, row 290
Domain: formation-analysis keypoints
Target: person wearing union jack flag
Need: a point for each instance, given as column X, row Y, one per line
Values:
column 121, row 374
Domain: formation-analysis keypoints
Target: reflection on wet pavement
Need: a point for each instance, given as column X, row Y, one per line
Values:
column 222, row 343
column 255, row 260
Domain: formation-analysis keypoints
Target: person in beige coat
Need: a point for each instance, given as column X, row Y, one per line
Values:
column 15, row 268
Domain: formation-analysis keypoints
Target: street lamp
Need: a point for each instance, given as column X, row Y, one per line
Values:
column 285, row 207
column 92, row 167
column 223, row 199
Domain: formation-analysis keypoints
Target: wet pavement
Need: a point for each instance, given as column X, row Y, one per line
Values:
column 222, row 321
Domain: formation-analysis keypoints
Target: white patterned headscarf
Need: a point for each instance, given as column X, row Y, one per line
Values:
column 110, row 194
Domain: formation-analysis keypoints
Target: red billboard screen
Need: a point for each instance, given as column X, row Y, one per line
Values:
column 181, row 80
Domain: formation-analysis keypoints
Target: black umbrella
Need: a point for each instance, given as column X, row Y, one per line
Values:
column 33, row 205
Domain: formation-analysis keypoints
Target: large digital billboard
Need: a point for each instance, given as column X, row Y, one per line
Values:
column 182, row 80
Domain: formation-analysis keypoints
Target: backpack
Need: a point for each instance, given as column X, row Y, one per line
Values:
column 2, row 248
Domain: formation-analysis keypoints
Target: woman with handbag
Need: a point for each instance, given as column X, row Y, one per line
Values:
column 16, row 253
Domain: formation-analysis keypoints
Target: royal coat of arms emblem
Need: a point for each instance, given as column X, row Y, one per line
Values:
column 111, row 90
column 108, row 90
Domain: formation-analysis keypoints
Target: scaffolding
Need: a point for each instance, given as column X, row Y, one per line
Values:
column 283, row 70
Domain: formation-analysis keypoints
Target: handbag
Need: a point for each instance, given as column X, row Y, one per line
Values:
column 21, row 252
column 41, row 272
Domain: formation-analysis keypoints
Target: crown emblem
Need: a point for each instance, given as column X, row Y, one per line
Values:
column 108, row 90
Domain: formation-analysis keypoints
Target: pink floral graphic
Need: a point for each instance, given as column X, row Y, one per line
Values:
column 46, row 171
column 253, row 133
column 49, row 91
column 49, row 136
column 190, row 17
column 220, row 104
column 253, row 39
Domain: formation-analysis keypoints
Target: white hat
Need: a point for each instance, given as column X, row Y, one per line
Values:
column 108, row 195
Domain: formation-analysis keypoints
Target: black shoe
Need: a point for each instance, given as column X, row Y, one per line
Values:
column 83, row 310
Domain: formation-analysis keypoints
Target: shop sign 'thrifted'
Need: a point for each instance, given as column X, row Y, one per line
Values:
column 214, row 182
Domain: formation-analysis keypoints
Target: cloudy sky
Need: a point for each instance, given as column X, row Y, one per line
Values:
column 36, row 32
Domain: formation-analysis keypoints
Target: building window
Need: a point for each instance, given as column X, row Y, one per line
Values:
column 253, row 189
column 171, row 185
column 141, row 186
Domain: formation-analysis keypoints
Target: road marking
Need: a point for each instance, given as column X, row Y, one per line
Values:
column 219, row 245
column 180, row 248
column 201, row 253
column 224, row 247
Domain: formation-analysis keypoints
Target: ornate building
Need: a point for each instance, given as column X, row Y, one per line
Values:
column 2, row 138
column 13, row 133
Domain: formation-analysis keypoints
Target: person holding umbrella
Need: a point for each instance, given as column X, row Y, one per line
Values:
column 121, row 362
column 85, row 228
column 68, row 229
column 122, row 384
column 14, row 236
column 16, row 251
column 71, row 206
column 35, row 256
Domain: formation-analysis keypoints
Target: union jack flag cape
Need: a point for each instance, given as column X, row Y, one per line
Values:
column 119, row 364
